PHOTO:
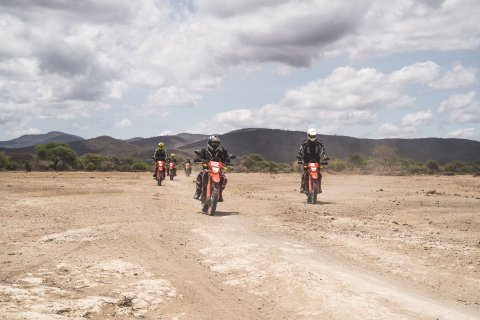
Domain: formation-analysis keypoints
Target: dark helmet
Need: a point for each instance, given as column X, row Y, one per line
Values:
column 213, row 143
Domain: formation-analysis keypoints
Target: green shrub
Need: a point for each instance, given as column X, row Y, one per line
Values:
column 256, row 163
column 91, row 166
column 4, row 161
column 337, row 165
column 432, row 166
column 140, row 166
column 456, row 167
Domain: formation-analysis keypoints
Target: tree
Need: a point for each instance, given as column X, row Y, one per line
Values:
column 385, row 156
column 140, row 166
column 4, row 161
column 455, row 166
column 57, row 153
column 356, row 160
column 432, row 166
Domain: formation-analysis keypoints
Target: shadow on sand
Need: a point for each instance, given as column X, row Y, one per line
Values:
column 319, row 203
column 224, row 213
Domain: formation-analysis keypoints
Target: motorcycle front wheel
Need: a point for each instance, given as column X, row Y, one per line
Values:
column 213, row 199
column 313, row 196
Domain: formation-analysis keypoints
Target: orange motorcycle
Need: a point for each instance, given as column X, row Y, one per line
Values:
column 160, row 176
column 313, row 180
column 188, row 169
column 212, row 191
column 172, row 170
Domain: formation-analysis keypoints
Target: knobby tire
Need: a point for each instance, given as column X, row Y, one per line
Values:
column 213, row 200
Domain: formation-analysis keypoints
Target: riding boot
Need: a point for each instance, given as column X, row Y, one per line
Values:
column 198, row 190
column 302, row 186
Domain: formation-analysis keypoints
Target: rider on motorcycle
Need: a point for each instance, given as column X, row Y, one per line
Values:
column 187, row 162
column 174, row 160
column 311, row 150
column 160, row 154
column 213, row 152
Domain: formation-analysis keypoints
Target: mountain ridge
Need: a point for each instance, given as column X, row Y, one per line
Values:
column 273, row 144
column 29, row 140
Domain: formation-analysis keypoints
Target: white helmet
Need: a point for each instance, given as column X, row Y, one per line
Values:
column 312, row 134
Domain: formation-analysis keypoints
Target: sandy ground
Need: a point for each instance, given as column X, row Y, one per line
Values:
column 116, row 246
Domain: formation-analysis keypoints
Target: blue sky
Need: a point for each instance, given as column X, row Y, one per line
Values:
column 369, row 69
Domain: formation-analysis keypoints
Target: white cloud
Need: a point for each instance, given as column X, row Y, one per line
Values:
column 61, row 59
column 416, row 119
column 458, row 77
column 462, row 108
column 465, row 133
column 418, row 73
column 173, row 97
column 80, row 126
column 413, row 25
column 165, row 133
column 345, row 97
column 122, row 124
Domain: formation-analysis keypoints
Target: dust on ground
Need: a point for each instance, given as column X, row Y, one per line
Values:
column 116, row 246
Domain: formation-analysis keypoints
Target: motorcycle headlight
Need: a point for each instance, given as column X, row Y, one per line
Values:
column 215, row 169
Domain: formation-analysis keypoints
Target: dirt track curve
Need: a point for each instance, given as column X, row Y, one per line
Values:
column 115, row 246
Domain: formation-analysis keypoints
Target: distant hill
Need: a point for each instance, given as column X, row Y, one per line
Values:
column 283, row 146
column 272, row 144
column 191, row 138
column 30, row 140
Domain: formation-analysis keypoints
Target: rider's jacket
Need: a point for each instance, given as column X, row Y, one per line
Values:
column 205, row 155
column 311, row 151
column 172, row 160
column 160, row 155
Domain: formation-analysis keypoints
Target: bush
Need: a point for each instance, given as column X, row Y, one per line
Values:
column 140, row 166
column 28, row 166
column 432, row 166
column 456, row 167
column 337, row 165
column 4, row 161
column 256, row 163
column 91, row 166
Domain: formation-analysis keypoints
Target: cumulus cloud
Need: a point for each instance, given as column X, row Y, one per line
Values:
column 464, row 133
column 80, row 126
column 122, row 124
column 462, row 108
column 413, row 25
column 346, row 97
column 389, row 130
column 416, row 119
column 350, row 97
column 63, row 58
column 458, row 77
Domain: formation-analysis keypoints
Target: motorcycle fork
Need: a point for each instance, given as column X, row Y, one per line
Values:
column 312, row 177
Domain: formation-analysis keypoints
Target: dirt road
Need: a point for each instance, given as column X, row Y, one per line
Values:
column 115, row 246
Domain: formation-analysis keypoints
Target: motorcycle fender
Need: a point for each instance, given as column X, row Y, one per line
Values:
column 207, row 193
column 314, row 175
column 215, row 177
